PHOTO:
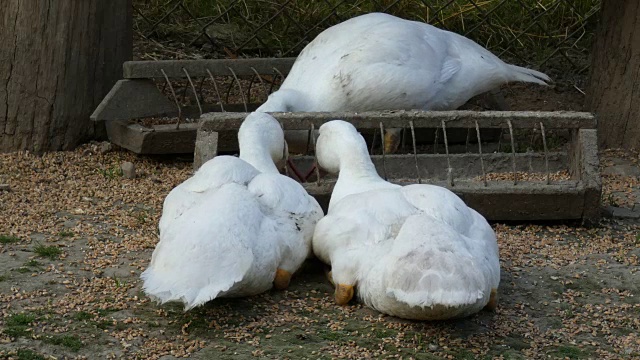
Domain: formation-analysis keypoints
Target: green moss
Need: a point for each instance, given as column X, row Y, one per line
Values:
column 26, row 354
column 51, row 252
column 8, row 239
column 68, row 341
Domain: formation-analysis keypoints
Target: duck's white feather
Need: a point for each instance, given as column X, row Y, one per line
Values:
column 416, row 251
column 378, row 61
column 226, row 230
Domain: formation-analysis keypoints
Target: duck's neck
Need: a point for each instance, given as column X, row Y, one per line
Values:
column 258, row 156
column 286, row 100
column 357, row 174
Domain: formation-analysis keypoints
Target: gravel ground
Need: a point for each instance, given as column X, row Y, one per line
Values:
column 75, row 236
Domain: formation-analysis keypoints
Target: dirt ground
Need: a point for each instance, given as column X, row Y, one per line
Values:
column 75, row 236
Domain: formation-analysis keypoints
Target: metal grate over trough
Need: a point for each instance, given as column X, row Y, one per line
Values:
column 513, row 195
column 486, row 157
column 180, row 90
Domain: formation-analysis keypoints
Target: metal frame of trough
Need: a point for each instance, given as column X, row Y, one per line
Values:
column 137, row 96
column 577, row 198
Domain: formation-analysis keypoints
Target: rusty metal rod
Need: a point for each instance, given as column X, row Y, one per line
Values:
column 193, row 88
column 446, row 149
column 415, row 151
column 546, row 152
column 215, row 87
column 513, row 153
column 175, row 98
column 484, row 174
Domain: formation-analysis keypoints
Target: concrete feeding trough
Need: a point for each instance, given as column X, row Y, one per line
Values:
column 501, row 185
column 179, row 91
column 202, row 103
column 176, row 91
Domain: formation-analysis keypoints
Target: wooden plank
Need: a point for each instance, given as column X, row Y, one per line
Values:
column 500, row 201
column 198, row 68
column 421, row 119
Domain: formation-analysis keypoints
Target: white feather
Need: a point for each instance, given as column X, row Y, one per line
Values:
column 380, row 62
column 415, row 252
column 226, row 230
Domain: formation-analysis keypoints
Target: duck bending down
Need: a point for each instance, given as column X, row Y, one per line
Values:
column 381, row 62
column 415, row 252
column 236, row 227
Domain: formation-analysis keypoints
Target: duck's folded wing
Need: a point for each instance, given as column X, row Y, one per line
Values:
column 430, row 265
column 211, row 175
column 294, row 214
column 207, row 250
column 279, row 195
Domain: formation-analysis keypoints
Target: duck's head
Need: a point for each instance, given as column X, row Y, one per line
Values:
column 261, row 141
column 339, row 141
column 344, row 275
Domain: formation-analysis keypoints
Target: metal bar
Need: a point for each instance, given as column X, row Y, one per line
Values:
column 373, row 140
column 285, row 155
column 193, row 88
column 264, row 86
column 484, row 174
column 215, row 87
column 421, row 119
column 315, row 155
column 513, row 153
column 244, row 100
column 546, row 153
column 175, row 98
column 279, row 73
column 201, row 67
column 446, row 149
column 415, row 151
column 384, row 155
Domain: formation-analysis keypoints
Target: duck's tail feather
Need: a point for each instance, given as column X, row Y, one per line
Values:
column 194, row 275
column 436, row 269
column 439, row 279
column 162, row 289
column 523, row 74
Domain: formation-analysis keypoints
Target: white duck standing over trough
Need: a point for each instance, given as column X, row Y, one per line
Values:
column 381, row 62
column 415, row 251
column 236, row 227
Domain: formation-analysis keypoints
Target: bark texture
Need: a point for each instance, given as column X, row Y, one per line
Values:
column 58, row 59
column 614, row 87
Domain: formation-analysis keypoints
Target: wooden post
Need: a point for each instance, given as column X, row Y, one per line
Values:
column 58, row 59
column 614, row 88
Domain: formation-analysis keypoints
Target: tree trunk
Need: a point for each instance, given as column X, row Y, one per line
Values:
column 614, row 88
column 58, row 59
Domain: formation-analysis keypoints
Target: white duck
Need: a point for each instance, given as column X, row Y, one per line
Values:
column 415, row 252
column 380, row 62
column 236, row 227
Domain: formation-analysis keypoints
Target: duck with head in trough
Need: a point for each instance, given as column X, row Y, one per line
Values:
column 237, row 227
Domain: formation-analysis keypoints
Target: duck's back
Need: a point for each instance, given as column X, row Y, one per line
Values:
column 435, row 257
column 433, row 272
column 211, row 175
column 377, row 61
column 209, row 248
column 227, row 236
